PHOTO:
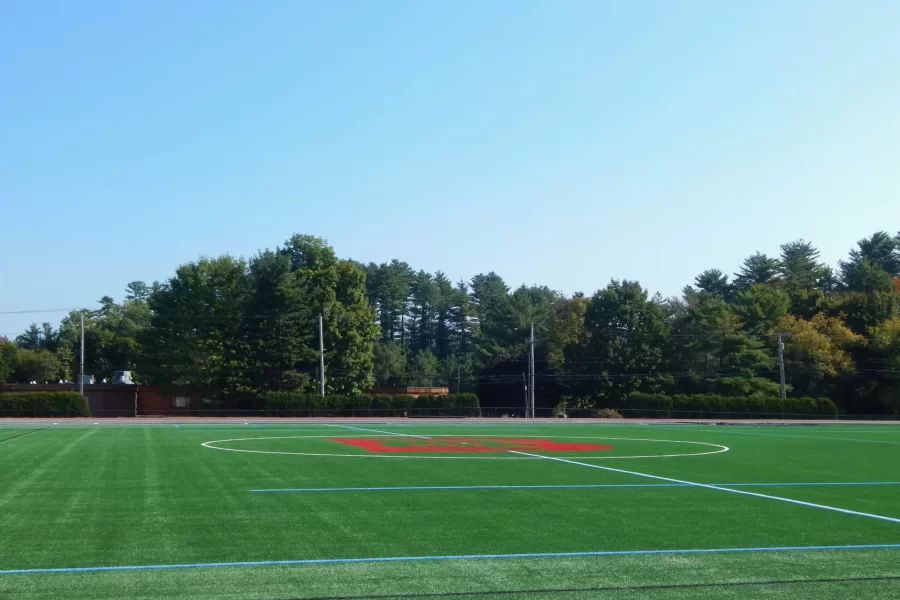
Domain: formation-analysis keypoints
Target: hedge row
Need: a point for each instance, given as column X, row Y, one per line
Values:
column 43, row 404
column 724, row 407
column 314, row 405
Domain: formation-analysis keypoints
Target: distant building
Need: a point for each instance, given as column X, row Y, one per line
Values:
column 411, row 391
column 122, row 377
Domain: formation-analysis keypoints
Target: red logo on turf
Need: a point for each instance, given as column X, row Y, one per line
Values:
column 466, row 444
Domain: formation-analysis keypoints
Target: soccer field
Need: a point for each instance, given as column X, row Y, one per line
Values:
column 414, row 509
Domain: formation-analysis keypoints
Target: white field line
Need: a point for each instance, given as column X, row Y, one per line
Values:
column 421, row 437
column 209, row 444
column 714, row 487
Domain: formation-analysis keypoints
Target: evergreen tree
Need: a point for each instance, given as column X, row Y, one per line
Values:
column 713, row 281
column 757, row 269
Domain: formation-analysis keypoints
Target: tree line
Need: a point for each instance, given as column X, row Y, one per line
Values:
column 224, row 326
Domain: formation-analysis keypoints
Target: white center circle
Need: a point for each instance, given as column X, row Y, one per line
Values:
column 718, row 448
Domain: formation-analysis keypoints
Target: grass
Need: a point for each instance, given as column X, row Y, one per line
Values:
column 137, row 495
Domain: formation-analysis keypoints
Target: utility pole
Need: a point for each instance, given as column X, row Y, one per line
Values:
column 781, row 366
column 457, row 375
column 321, row 360
column 81, row 360
column 531, row 368
column 525, row 388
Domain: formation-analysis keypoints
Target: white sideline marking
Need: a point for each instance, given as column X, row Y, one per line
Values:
column 421, row 437
column 714, row 487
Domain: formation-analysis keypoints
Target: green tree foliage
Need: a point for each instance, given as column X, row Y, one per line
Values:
column 281, row 337
column 230, row 327
column 137, row 290
column 39, row 366
column 864, row 275
column 351, row 331
column 760, row 306
column 880, row 251
column 8, row 353
column 816, row 351
column 621, row 350
column 464, row 322
column 862, row 311
column 223, row 326
column 442, row 304
column 389, row 364
column 800, row 267
column 885, row 339
column 194, row 338
column 757, row 269
column 32, row 339
column 421, row 325
column 876, row 386
column 502, row 331
column 714, row 282
column 565, row 328
column 424, row 369
column 722, row 357
column 387, row 288
column 111, row 339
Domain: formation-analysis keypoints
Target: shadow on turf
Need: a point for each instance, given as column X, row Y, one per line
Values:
column 609, row 588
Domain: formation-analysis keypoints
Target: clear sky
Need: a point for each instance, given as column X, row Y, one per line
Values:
column 555, row 142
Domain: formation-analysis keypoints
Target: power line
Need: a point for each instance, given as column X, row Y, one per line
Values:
column 35, row 311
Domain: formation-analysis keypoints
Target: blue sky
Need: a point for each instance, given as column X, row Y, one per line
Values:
column 555, row 142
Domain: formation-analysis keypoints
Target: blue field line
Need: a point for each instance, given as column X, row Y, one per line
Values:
column 390, row 559
column 564, row 486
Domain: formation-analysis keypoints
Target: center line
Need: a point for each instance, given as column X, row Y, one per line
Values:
column 421, row 437
column 713, row 487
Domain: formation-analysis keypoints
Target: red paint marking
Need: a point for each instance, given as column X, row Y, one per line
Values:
column 466, row 444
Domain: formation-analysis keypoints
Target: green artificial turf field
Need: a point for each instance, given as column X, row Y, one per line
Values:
column 481, row 510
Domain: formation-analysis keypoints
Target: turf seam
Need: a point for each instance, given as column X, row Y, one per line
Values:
column 23, row 434
column 610, row 588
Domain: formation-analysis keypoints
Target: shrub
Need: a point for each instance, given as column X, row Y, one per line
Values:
column 44, row 404
column 725, row 407
column 467, row 405
column 608, row 413
column 559, row 411
column 401, row 404
column 313, row 405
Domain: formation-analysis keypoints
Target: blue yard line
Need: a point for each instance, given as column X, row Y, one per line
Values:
column 467, row 487
column 389, row 559
column 566, row 486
